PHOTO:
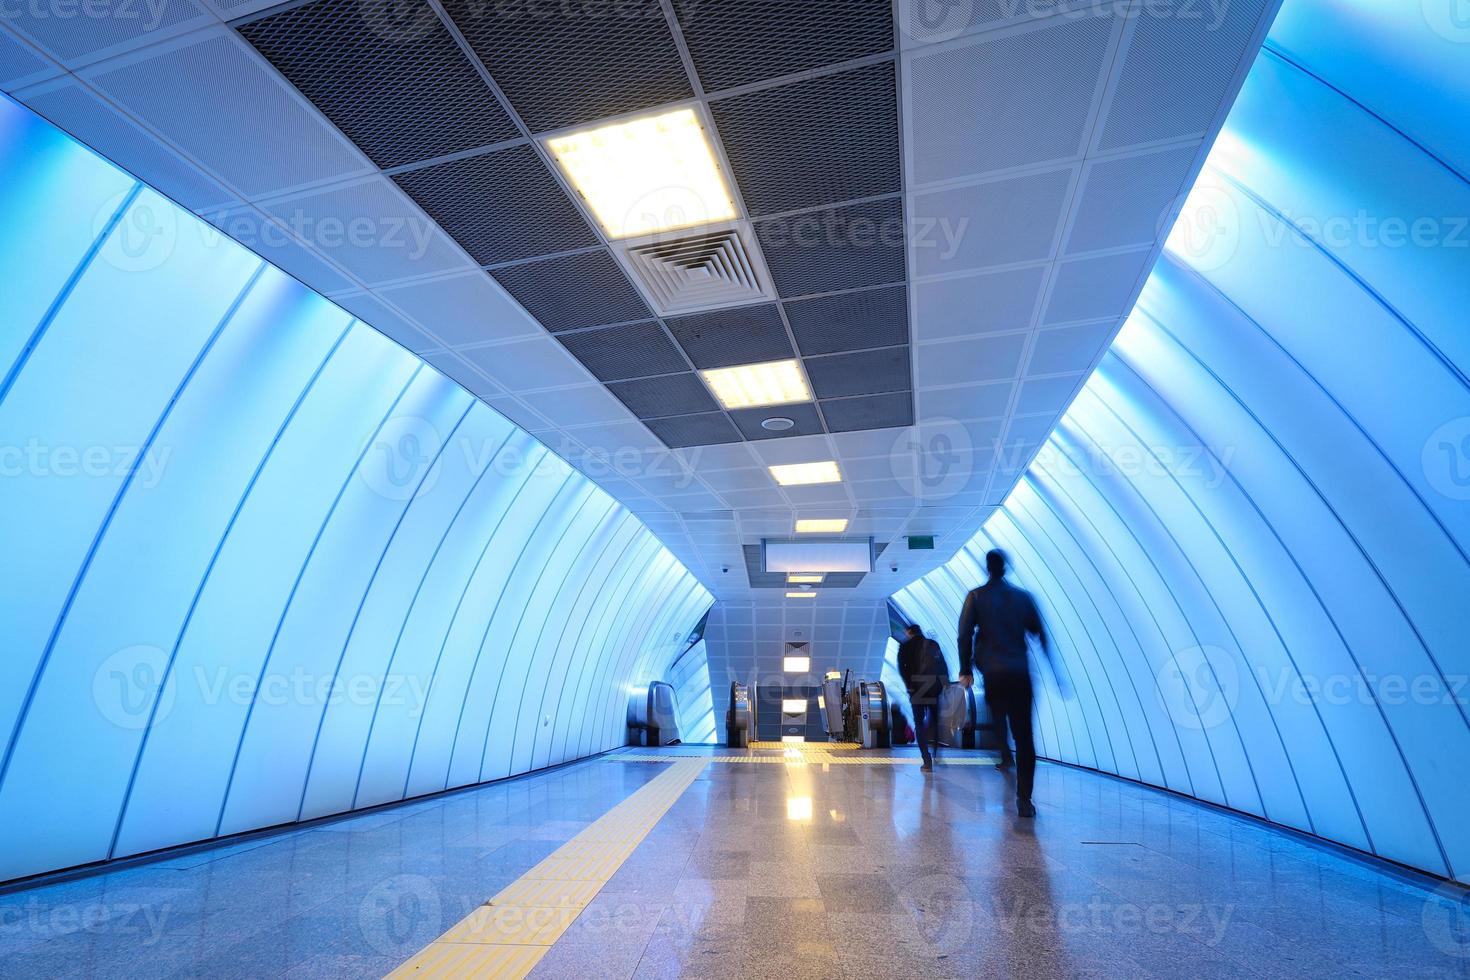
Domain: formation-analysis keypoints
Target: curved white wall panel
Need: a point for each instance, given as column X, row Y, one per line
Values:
column 262, row 564
column 1251, row 531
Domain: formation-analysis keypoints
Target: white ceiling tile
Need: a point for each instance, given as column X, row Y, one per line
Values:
column 958, row 362
column 465, row 308
column 527, row 365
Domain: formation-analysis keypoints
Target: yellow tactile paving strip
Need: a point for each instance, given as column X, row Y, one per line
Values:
column 506, row 937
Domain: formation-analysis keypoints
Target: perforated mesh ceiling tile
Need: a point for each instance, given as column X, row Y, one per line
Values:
column 71, row 32
column 885, row 411
column 652, row 398
column 821, row 141
column 1007, row 101
column 734, row 42
column 711, row 429
column 723, row 338
column 1124, row 202
column 387, row 73
column 1176, row 71
column 561, row 64
column 500, row 206
column 850, row 321
column 863, row 373
column 632, row 350
column 841, row 248
column 571, row 291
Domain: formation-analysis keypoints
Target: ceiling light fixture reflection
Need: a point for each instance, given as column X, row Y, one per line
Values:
column 793, row 706
column 757, row 385
column 803, row 474
column 821, row 525
column 646, row 175
column 799, row 808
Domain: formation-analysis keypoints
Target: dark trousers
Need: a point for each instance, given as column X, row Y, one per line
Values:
column 1010, row 699
column 926, row 728
column 1002, row 727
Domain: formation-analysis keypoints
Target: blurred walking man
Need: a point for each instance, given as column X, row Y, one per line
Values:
column 994, row 624
column 922, row 667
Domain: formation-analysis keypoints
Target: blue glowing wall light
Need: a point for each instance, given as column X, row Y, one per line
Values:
column 261, row 563
column 1251, row 531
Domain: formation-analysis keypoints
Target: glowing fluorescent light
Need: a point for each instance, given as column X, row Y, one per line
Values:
column 802, row 474
column 801, row 595
column 755, row 385
column 798, row 665
column 799, row 808
column 793, row 706
column 821, row 525
column 804, row 579
column 646, row 175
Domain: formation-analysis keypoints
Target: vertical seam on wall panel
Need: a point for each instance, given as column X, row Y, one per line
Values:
column 494, row 611
column 613, row 614
column 1317, row 490
column 1042, row 495
column 54, row 308
column 582, row 627
column 541, row 632
column 614, row 640
column 1271, row 620
column 1087, row 729
column 1173, row 539
column 641, row 543
column 530, row 593
column 291, row 596
column 1306, row 579
column 362, row 602
column 1174, row 599
column 76, row 584
column 1273, row 50
column 1097, row 655
column 453, row 618
column 1203, row 587
column 1142, row 600
column 643, row 626
column 367, row 741
column 1349, row 416
column 1347, row 270
column 167, row 673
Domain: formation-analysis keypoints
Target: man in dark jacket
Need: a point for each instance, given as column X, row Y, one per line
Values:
column 922, row 667
column 994, row 624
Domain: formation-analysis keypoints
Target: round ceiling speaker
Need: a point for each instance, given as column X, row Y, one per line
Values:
column 777, row 424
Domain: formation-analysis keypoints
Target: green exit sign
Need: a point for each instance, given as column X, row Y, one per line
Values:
column 921, row 542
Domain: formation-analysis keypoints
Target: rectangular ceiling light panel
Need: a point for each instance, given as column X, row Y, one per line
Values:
column 797, row 665
column 757, row 385
column 648, row 175
column 819, row 556
column 801, row 595
column 804, row 579
column 805, row 474
column 822, row 525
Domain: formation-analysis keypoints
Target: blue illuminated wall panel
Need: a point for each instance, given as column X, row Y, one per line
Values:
column 1251, row 531
column 261, row 563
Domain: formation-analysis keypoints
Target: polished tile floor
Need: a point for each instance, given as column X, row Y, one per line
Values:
column 789, row 870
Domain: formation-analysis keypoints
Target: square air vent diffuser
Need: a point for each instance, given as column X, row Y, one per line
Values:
column 699, row 271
